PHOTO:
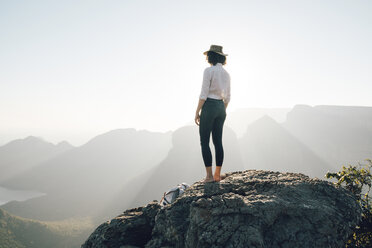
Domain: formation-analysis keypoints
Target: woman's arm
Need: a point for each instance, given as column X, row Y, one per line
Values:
column 197, row 113
column 228, row 93
column 203, row 94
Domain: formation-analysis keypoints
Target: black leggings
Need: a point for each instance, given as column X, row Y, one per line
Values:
column 212, row 118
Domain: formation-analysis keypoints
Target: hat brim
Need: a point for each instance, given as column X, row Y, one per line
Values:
column 205, row 53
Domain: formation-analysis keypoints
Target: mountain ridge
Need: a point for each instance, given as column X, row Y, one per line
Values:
column 20, row 155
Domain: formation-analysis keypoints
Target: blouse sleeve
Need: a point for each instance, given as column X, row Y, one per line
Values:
column 206, row 84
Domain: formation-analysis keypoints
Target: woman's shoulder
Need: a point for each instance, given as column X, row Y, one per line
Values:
column 208, row 69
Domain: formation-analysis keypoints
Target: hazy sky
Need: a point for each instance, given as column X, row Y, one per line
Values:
column 70, row 70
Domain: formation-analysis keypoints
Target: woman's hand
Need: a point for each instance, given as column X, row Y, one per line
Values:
column 197, row 115
column 197, row 118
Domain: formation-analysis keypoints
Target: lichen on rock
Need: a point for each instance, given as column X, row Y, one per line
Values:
column 246, row 209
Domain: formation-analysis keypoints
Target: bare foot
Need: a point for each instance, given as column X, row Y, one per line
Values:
column 218, row 178
column 207, row 180
column 217, row 174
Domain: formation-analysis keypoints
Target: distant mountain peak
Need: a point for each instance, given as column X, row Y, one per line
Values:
column 114, row 133
column 34, row 139
column 120, row 131
column 31, row 137
column 264, row 121
column 301, row 107
column 120, row 135
column 266, row 118
column 28, row 141
column 65, row 144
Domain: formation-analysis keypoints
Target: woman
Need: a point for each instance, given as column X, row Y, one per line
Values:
column 213, row 101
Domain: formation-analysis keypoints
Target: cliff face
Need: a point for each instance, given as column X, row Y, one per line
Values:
column 247, row 209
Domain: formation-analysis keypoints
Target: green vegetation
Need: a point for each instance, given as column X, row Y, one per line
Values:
column 16, row 232
column 358, row 179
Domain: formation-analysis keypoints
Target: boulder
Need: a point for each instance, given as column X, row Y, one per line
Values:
column 246, row 209
column 131, row 229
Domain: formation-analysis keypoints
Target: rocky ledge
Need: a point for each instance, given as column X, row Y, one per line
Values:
column 247, row 209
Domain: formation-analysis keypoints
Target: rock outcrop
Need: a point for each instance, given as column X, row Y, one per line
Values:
column 246, row 209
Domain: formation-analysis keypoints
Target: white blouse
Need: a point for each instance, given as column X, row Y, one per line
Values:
column 216, row 83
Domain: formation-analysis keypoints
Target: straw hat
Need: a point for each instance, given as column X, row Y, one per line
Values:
column 217, row 49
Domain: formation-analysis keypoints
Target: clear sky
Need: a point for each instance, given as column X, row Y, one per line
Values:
column 70, row 70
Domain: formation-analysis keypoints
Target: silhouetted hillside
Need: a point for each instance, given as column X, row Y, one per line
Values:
column 183, row 164
column 22, row 154
column 126, row 168
column 338, row 134
column 268, row 146
column 16, row 232
column 80, row 181
column 239, row 119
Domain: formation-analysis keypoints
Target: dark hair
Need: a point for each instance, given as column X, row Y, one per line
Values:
column 214, row 58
